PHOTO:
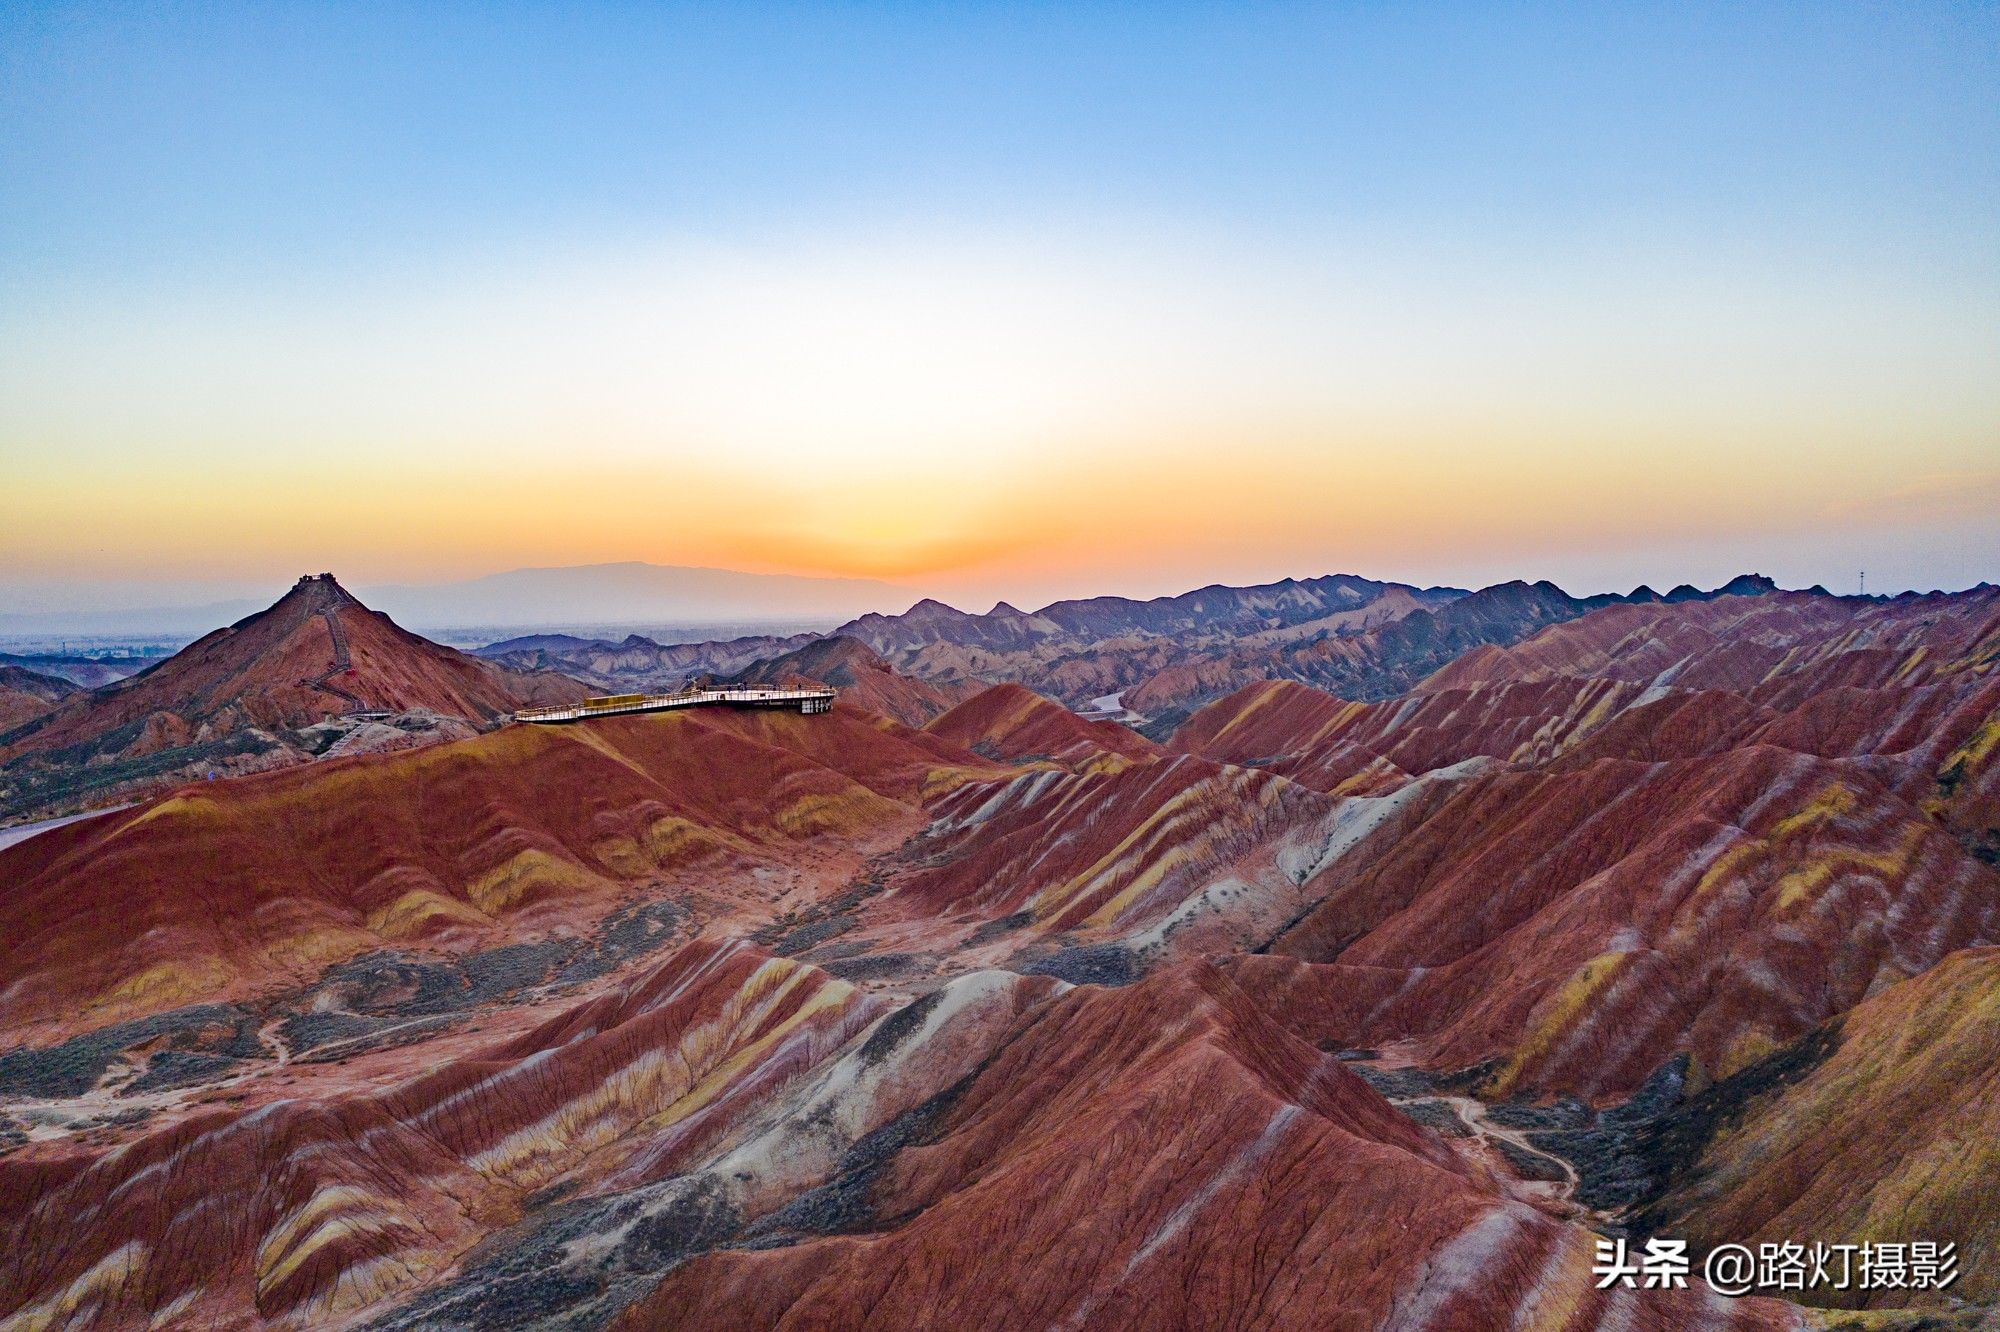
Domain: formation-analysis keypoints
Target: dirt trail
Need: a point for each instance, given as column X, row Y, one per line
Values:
column 272, row 1034
column 1475, row 1117
column 343, row 661
column 1400, row 1057
column 1510, row 1145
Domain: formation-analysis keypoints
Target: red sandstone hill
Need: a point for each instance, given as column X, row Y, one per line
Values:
column 1882, row 1123
column 1743, row 642
column 719, row 1019
column 1500, row 851
column 1599, row 870
column 244, row 697
column 230, row 886
column 1367, row 748
column 864, row 679
column 26, row 694
column 728, row 1139
column 1165, row 1155
column 1581, row 927
column 1016, row 724
column 1135, row 852
column 306, row 1209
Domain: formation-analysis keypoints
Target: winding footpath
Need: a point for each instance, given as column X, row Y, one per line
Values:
column 1473, row 1114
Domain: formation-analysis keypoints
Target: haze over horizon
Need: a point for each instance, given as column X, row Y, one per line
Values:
column 991, row 304
column 617, row 598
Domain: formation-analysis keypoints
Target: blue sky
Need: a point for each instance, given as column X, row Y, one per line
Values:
column 143, row 140
column 201, row 198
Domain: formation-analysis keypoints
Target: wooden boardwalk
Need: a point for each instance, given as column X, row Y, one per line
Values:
column 809, row 699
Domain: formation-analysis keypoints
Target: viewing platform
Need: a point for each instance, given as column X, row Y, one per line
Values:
column 809, row 700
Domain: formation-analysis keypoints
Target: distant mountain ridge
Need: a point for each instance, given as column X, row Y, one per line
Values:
column 639, row 662
column 1395, row 655
column 1068, row 649
column 1205, row 612
column 1360, row 637
column 84, row 672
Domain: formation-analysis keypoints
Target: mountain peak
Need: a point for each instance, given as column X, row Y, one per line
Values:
column 1747, row 585
column 312, row 594
column 314, row 655
column 321, row 587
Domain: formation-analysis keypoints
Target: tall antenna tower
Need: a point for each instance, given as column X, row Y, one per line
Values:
column 1864, row 582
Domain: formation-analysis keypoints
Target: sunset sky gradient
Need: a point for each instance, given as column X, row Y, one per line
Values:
column 1021, row 301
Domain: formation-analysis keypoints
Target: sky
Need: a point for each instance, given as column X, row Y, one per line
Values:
column 1021, row 301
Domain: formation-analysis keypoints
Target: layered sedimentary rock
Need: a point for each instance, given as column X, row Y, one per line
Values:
column 1883, row 1131
column 1880, row 1128
column 1015, row 724
column 1351, row 748
column 1582, row 926
column 1324, row 1015
column 1166, row 1155
column 299, row 1210
column 224, row 887
column 1598, row 870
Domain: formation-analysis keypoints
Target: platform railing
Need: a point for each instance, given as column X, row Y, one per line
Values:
column 809, row 700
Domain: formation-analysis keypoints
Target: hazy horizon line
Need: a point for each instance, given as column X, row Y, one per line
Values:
column 97, row 624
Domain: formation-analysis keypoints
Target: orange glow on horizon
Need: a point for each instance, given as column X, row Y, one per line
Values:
column 1022, row 416
column 1125, row 516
